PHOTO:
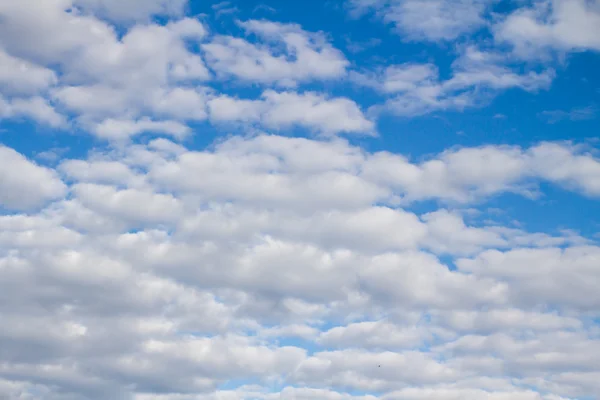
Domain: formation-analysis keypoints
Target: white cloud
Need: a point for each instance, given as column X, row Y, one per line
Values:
column 124, row 129
column 280, row 110
column 453, row 393
column 98, row 75
column 36, row 108
column 128, row 10
column 129, row 204
column 506, row 319
column 160, row 267
column 374, row 335
column 568, row 166
column 20, row 76
column 45, row 32
column 224, row 8
column 25, row 185
column 358, row 370
column 99, row 171
column 447, row 233
column 416, row 89
column 431, row 20
column 416, row 279
column 272, row 168
column 273, row 267
column 560, row 25
column 542, row 276
column 307, row 56
column 408, row 77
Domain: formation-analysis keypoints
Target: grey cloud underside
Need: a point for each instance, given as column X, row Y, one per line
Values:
column 168, row 273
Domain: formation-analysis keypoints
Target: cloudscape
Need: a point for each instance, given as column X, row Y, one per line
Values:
column 299, row 200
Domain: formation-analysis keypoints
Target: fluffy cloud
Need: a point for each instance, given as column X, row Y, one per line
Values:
column 25, row 185
column 308, row 56
column 117, row 87
column 287, row 109
column 36, row 108
column 111, row 85
column 552, row 275
column 559, row 25
column 268, row 266
column 21, row 76
column 416, row 89
column 158, row 271
column 431, row 20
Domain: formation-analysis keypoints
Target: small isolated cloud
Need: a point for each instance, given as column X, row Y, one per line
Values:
column 360, row 46
column 52, row 155
column 575, row 114
column 224, row 8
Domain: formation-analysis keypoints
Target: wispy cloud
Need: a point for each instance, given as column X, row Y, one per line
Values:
column 224, row 8
column 575, row 114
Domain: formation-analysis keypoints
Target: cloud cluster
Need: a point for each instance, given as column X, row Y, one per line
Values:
column 65, row 66
column 518, row 51
column 170, row 271
column 269, row 265
column 416, row 89
column 70, row 67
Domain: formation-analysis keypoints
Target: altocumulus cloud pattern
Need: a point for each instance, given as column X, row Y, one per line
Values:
column 303, row 200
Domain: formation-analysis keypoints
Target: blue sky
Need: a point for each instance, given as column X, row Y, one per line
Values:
column 350, row 199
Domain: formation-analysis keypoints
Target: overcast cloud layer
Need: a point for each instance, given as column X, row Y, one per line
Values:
column 286, row 258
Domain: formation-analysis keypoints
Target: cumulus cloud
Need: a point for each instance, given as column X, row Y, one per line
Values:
column 159, row 267
column 430, row 20
column 25, row 185
column 20, row 76
column 36, row 108
column 271, row 266
column 556, row 25
column 288, row 109
column 307, row 56
column 416, row 89
column 100, row 76
column 573, row 266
